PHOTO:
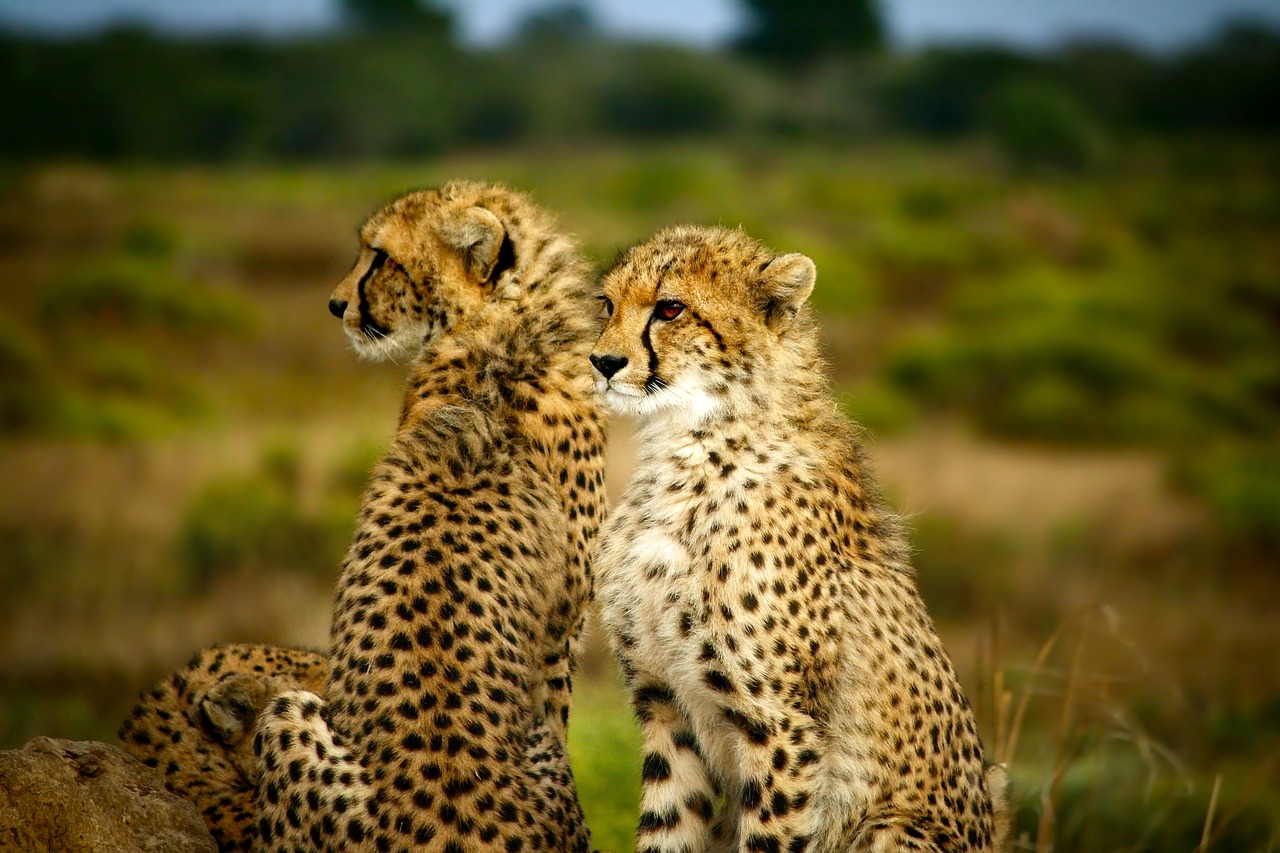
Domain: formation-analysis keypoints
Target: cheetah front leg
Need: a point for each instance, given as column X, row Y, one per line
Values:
column 778, row 754
column 678, row 795
column 311, row 794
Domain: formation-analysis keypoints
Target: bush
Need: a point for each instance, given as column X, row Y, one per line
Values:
column 261, row 521
column 959, row 569
column 1039, row 125
column 1241, row 486
column 666, row 93
column 26, row 395
column 1141, row 810
column 113, row 417
column 604, row 749
column 140, row 291
column 149, row 238
column 1088, row 359
column 102, row 318
column 1048, row 382
column 880, row 408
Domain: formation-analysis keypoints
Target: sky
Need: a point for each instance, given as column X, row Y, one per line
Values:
column 1153, row 24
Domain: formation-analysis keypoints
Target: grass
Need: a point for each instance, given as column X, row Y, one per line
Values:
column 604, row 751
column 183, row 430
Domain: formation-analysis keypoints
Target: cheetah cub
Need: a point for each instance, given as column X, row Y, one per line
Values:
column 757, row 591
column 443, row 722
column 463, row 593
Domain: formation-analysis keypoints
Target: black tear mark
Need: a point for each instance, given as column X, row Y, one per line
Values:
column 368, row 325
column 654, row 382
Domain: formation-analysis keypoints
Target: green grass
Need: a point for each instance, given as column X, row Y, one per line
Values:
column 604, row 751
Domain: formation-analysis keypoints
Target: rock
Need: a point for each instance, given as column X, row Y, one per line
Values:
column 65, row 796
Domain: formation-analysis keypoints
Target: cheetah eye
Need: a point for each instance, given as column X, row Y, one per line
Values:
column 668, row 309
column 379, row 258
column 608, row 306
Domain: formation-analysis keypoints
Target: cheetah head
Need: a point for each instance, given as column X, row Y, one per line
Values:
column 427, row 260
column 697, row 320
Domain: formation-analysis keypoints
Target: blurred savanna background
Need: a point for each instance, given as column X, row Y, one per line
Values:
column 1048, row 243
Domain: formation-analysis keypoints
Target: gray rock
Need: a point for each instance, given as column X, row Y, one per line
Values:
column 67, row 796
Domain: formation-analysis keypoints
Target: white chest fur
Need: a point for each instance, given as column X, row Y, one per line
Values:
column 653, row 576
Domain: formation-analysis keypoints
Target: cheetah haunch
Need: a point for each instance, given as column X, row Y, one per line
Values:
column 444, row 715
column 758, row 593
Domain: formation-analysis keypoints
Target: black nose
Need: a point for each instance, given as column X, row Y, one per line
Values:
column 609, row 364
column 337, row 307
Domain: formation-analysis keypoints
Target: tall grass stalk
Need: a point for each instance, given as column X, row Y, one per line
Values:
column 1051, row 795
column 1208, row 815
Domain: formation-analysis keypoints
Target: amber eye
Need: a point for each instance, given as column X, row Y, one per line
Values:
column 608, row 306
column 668, row 309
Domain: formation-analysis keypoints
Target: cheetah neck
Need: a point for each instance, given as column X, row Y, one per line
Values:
column 531, row 335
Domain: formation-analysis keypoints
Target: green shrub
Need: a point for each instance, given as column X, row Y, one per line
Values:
column 108, row 319
column 1064, row 356
column 959, row 569
column 661, row 92
column 83, row 414
column 917, row 266
column 880, row 408
column 1042, row 381
column 604, row 750
column 27, row 712
column 350, row 475
column 130, row 291
column 259, row 522
column 929, row 202
column 149, row 238
column 26, row 394
column 654, row 184
column 1037, row 124
column 1241, row 485
column 1113, row 801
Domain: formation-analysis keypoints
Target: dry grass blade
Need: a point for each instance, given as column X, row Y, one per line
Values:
column 1257, row 783
column 1007, row 738
column 1052, row 793
column 1208, row 815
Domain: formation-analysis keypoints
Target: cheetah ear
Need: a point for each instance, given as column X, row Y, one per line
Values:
column 476, row 234
column 786, row 282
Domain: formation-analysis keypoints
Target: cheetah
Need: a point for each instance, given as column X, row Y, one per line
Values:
column 196, row 727
column 464, row 589
column 757, row 591
column 444, row 718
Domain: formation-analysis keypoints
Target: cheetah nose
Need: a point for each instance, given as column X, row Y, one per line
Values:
column 337, row 307
column 609, row 364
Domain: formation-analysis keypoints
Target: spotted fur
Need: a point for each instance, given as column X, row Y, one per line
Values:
column 196, row 727
column 443, row 721
column 757, row 591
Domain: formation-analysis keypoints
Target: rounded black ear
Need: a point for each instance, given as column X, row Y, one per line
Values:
column 476, row 234
column 786, row 282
